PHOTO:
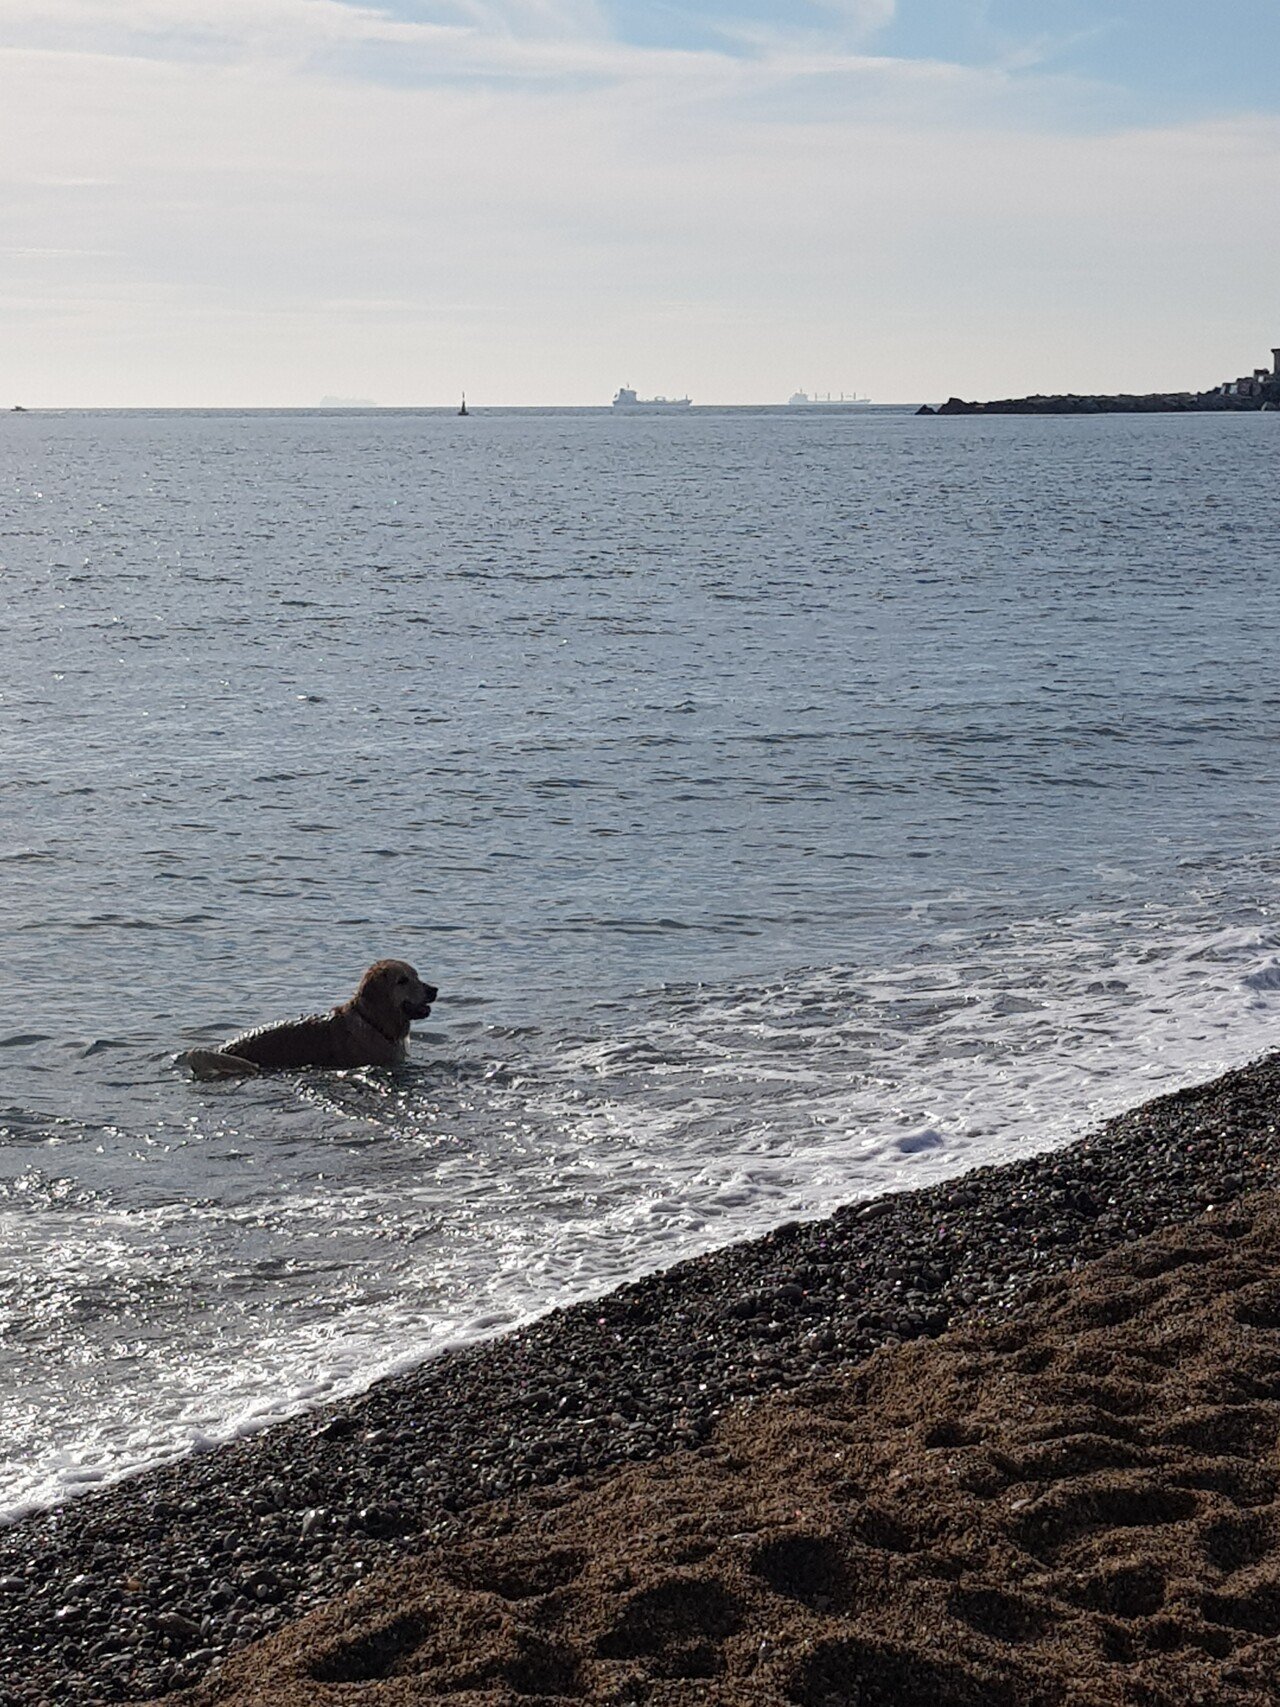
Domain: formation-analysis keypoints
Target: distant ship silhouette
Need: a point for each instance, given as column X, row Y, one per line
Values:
column 627, row 399
column 802, row 399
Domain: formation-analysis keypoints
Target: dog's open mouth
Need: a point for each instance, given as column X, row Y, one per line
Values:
column 419, row 1010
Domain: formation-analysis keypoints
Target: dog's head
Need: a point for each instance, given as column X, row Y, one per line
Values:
column 392, row 994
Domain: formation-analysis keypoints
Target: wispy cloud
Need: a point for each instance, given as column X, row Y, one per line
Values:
column 538, row 41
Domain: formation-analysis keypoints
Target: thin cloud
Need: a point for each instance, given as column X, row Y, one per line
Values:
column 538, row 40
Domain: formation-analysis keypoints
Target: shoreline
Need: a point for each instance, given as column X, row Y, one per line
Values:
column 137, row 1590
column 1075, row 1506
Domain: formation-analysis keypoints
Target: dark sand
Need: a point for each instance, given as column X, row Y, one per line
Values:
column 619, row 1504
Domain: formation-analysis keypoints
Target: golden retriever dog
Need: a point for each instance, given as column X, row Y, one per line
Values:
column 371, row 1030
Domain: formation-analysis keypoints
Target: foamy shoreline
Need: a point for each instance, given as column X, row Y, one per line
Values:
column 142, row 1588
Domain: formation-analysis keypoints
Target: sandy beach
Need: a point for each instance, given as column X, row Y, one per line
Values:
column 1008, row 1439
column 1077, row 1507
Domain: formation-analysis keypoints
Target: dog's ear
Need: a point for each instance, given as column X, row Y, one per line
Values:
column 377, row 993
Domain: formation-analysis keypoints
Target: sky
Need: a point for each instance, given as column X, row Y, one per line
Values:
column 273, row 202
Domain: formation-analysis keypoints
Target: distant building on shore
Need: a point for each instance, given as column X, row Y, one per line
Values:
column 1262, row 383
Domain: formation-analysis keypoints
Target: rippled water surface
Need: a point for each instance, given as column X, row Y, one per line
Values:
column 789, row 807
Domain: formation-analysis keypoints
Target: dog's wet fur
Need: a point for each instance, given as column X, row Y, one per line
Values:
column 371, row 1030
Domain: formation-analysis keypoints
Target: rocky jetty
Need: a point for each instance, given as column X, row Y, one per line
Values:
column 1153, row 403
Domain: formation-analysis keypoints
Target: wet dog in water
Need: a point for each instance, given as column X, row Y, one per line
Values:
column 371, row 1030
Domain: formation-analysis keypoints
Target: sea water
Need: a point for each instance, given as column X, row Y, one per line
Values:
column 790, row 807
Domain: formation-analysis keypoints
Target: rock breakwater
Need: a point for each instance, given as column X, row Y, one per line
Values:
column 1071, row 403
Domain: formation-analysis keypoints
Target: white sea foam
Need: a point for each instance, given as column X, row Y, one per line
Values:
column 714, row 1113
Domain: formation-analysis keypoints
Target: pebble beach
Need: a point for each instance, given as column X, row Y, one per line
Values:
column 736, row 1382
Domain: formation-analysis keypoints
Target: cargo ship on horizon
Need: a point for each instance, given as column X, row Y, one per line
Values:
column 627, row 399
column 802, row 400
